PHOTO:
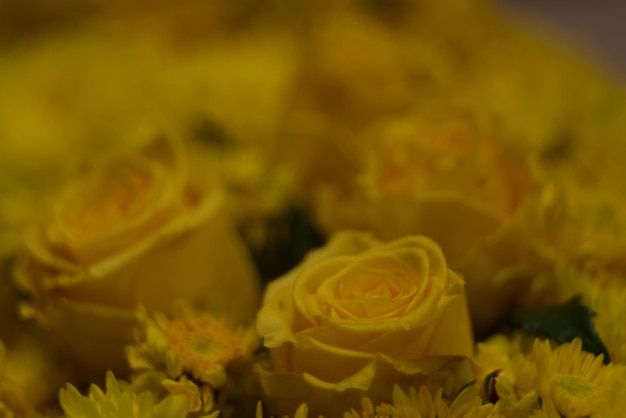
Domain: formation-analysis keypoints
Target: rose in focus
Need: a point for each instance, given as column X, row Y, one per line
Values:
column 356, row 313
column 139, row 229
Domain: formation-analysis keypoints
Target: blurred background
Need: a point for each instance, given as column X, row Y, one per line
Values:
column 596, row 27
column 82, row 77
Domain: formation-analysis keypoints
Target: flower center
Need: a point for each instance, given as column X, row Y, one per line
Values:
column 361, row 284
column 202, row 344
column 573, row 386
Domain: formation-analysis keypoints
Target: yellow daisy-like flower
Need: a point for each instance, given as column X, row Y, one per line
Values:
column 614, row 405
column 547, row 410
column 424, row 404
column 509, row 404
column 497, row 353
column 301, row 412
column 505, row 374
column 198, row 396
column 117, row 402
column 577, row 382
column 190, row 355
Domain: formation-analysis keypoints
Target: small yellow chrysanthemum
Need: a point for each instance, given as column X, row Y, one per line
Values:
column 509, row 404
column 614, row 404
column 202, row 346
column 301, row 412
column 197, row 396
column 499, row 352
column 424, row 404
column 577, row 382
column 574, row 381
column 547, row 410
column 118, row 403
column 367, row 410
column 189, row 355
column 506, row 376
column 494, row 354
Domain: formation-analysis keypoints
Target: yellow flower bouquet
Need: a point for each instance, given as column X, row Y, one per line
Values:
column 350, row 209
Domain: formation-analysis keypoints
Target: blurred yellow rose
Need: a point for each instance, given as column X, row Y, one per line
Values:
column 356, row 314
column 139, row 229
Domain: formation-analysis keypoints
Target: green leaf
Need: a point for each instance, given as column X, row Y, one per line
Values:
column 562, row 323
column 290, row 236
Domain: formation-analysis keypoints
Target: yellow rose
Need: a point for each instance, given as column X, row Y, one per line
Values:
column 443, row 174
column 357, row 315
column 140, row 229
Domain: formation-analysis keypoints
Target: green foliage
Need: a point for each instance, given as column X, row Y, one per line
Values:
column 562, row 323
column 289, row 238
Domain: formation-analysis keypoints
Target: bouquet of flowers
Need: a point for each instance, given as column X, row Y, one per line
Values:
column 357, row 209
